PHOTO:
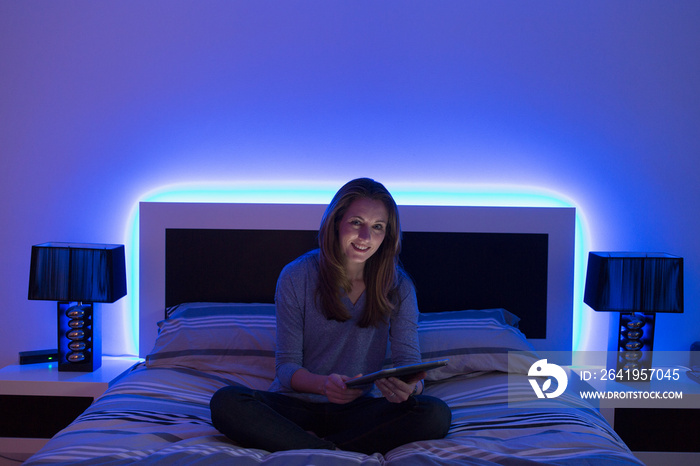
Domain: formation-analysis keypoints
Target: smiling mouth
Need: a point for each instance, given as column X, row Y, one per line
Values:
column 360, row 248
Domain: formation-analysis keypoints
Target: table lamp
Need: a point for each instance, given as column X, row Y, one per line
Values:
column 636, row 285
column 78, row 276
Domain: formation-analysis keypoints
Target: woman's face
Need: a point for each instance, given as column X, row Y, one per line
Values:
column 362, row 231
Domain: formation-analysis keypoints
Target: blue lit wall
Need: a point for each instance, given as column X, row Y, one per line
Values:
column 105, row 104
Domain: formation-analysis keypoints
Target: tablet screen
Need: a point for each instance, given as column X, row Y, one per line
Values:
column 401, row 371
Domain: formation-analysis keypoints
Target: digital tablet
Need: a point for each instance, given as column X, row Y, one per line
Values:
column 400, row 372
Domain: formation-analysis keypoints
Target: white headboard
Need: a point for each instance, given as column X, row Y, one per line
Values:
column 557, row 223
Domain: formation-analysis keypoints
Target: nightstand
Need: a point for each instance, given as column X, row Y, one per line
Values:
column 36, row 401
column 658, row 429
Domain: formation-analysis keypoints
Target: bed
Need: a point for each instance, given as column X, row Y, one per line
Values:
column 207, row 277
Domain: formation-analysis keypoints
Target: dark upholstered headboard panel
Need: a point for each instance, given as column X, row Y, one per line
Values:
column 229, row 266
column 451, row 271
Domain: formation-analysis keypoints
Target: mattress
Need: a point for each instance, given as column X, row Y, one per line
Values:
column 158, row 412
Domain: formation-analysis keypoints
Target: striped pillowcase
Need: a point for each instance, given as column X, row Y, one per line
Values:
column 229, row 337
column 240, row 338
column 474, row 341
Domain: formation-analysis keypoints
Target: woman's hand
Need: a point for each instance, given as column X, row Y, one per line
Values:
column 396, row 390
column 337, row 392
column 332, row 386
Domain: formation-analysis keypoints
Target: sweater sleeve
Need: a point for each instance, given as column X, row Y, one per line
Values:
column 290, row 327
column 403, row 331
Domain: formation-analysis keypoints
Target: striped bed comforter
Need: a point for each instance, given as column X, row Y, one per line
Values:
column 160, row 416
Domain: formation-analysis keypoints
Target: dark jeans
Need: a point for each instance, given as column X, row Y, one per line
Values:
column 273, row 422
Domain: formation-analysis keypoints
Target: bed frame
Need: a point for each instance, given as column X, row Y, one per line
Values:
column 517, row 258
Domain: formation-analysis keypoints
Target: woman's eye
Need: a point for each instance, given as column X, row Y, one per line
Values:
column 379, row 227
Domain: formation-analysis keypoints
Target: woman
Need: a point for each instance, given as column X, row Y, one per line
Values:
column 338, row 308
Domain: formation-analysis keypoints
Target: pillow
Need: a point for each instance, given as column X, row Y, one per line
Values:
column 475, row 341
column 501, row 315
column 240, row 338
column 198, row 309
column 230, row 337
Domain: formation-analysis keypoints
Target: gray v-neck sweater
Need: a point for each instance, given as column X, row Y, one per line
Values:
column 305, row 338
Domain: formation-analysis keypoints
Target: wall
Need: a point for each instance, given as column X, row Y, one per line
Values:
column 103, row 102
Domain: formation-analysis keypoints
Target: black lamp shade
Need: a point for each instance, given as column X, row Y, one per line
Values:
column 92, row 273
column 634, row 282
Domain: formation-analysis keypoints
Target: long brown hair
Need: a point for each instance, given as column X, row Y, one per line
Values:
column 381, row 269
